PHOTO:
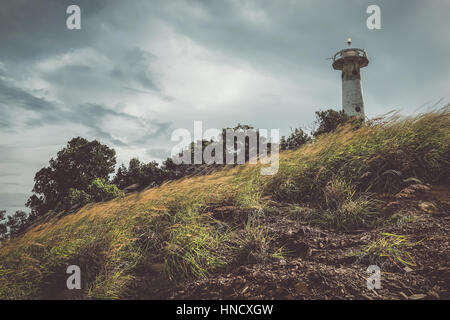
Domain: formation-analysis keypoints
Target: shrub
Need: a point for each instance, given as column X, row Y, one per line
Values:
column 76, row 198
column 297, row 138
column 17, row 222
column 100, row 190
column 329, row 120
column 144, row 174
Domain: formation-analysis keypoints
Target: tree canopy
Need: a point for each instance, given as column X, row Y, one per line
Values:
column 75, row 167
column 329, row 120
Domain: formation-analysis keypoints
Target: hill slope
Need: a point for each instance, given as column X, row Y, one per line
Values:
column 378, row 194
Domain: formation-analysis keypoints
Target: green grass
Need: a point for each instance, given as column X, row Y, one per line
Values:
column 175, row 225
column 359, row 213
column 254, row 243
column 345, row 209
column 192, row 245
column 392, row 247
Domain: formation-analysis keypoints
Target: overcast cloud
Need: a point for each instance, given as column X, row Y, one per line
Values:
column 139, row 69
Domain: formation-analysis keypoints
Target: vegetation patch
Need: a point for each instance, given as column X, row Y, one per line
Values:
column 391, row 247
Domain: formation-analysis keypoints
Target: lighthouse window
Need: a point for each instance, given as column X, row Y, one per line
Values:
column 358, row 109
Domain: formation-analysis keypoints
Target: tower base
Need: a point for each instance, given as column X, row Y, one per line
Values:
column 352, row 98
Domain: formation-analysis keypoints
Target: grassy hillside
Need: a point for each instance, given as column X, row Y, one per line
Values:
column 149, row 244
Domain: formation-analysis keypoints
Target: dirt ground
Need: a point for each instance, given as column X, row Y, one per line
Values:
column 322, row 264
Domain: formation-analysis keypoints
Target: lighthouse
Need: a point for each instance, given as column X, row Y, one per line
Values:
column 350, row 61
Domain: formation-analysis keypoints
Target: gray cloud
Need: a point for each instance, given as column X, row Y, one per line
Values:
column 12, row 202
column 15, row 97
column 135, row 66
column 12, row 174
column 159, row 153
column 90, row 115
column 138, row 69
column 32, row 29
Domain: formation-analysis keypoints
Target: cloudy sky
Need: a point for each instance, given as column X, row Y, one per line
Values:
column 137, row 70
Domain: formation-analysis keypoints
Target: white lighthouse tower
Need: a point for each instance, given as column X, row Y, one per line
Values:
column 350, row 61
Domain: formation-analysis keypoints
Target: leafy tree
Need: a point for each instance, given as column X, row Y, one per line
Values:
column 170, row 170
column 144, row 174
column 98, row 190
column 296, row 139
column 151, row 174
column 134, row 170
column 329, row 120
column 121, row 178
column 17, row 222
column 75, row 166
column 77, row 198
column 101, row 190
